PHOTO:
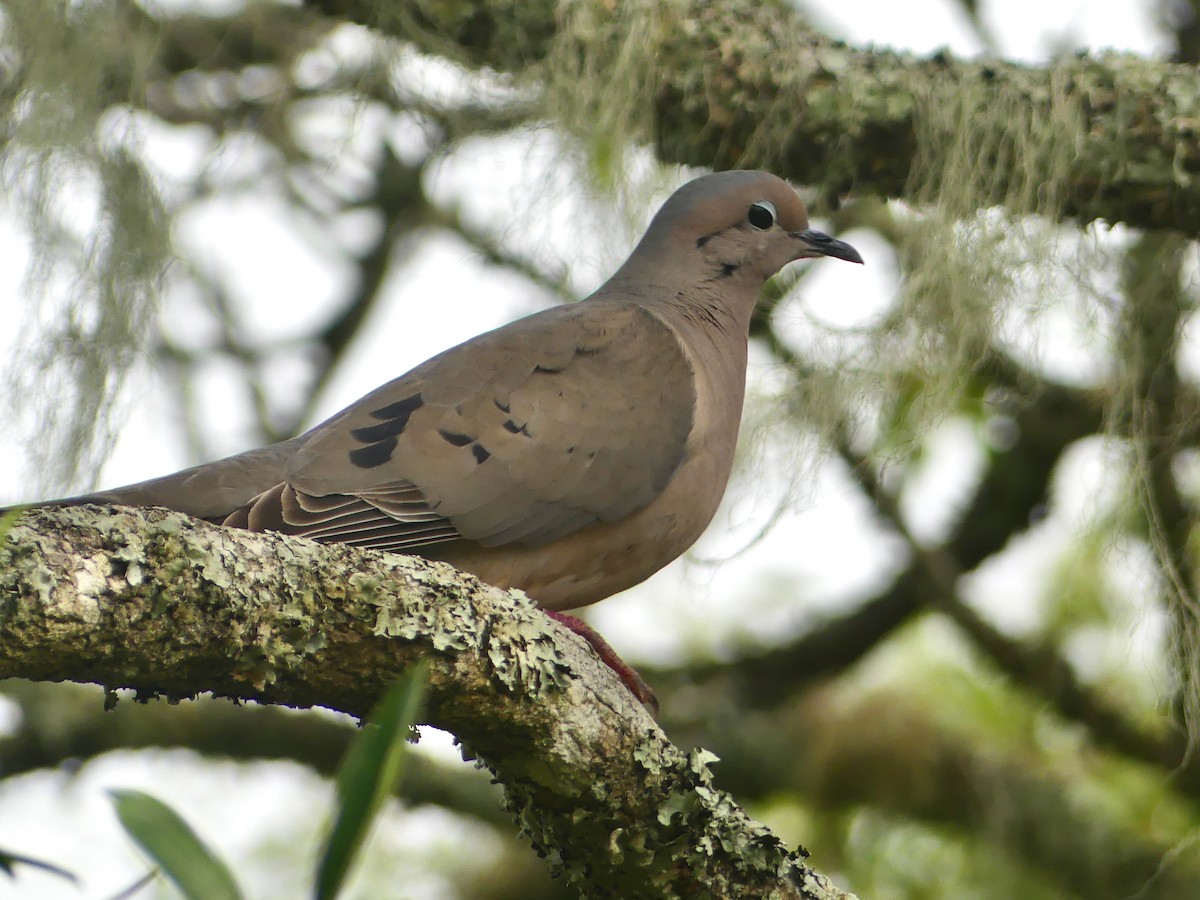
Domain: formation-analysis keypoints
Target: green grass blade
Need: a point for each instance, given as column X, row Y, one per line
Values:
column 368, row 776
column 9, row 862
column 172, row 845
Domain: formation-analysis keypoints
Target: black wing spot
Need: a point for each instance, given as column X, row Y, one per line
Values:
column 381, row 432
column 570, row 449
column 503, row 407
column 728, row 269
column 547, row 370
column 373, row 455
column 400, row 410
column 701, row 241
column 481, row 452
column 456, row 438
column 395, row 418
column 513, row 428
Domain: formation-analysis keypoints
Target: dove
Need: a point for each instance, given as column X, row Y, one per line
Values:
column 570, row 454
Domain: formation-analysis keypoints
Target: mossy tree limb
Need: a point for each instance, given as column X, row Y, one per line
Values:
column 170, row 606
column 749, row 84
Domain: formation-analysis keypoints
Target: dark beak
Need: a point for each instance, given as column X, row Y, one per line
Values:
column 820, row 244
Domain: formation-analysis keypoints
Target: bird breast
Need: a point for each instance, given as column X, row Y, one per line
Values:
column 609, row 557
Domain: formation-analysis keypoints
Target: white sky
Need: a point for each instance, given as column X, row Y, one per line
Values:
column 826, row 553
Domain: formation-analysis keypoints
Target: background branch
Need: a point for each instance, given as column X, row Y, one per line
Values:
column 718, row 100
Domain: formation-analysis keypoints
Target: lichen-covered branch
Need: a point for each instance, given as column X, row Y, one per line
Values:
column 170, row 606
column 749, row 84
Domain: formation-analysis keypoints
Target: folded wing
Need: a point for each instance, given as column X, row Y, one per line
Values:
column 522, row 435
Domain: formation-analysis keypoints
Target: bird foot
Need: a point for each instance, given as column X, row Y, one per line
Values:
column 629, row 677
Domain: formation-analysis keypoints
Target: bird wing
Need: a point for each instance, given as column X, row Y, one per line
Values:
column 577, row 415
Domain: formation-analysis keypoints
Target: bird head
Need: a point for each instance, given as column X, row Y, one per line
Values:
column 741, row 225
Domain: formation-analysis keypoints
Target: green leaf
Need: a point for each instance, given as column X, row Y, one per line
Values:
column 170, row 842
column 367, row 776
column 10, row 860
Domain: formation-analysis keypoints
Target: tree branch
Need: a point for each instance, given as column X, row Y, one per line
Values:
column 1038, row 667
column 886, row 749
column 171, row 606
column 1152, row 325
column 1046, row 422
column 839, row 117
column 61, row 723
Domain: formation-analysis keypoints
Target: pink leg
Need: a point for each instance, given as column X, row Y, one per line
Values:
column 629, row 677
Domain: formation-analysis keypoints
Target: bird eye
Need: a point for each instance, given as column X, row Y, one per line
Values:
column 762, row 214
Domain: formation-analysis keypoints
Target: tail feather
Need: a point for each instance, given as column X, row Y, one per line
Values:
column 209, row 491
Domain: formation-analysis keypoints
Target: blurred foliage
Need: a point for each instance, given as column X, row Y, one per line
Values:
column 10, row 861
column 367, row 776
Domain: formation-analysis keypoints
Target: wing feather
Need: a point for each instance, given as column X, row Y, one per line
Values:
column 522, row 435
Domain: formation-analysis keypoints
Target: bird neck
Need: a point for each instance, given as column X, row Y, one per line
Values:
column 718, row 300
